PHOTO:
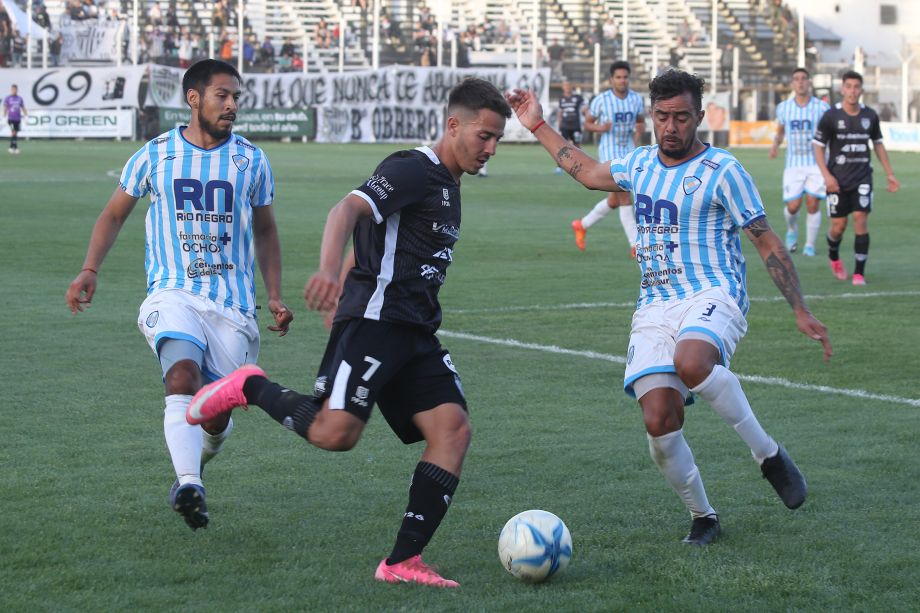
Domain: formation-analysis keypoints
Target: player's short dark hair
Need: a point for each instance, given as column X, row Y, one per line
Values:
column 800, row 69
column 474, row 94
column 851, row 74
column 199, row 75
column 672, row 83
column 620, row 65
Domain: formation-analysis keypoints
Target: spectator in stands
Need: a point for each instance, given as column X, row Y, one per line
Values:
column 6, row 30
column 54, row 49
column 297, row 63
column 322, row 38
column 18, row 47
column 172, row 20
column 155, row 15
column 685, row 34
column 556, row 53
column 267, row 53
column 611, row 34
column 226, row 49
column 249, row 51
column 41, row 16
column 674, row 57
column 287, row 49
column 726, row 63
column 185, row 50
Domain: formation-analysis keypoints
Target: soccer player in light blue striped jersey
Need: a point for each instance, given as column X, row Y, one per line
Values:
column 693, row 201
column 796, row 121
column 618, row 114
column 208, row 221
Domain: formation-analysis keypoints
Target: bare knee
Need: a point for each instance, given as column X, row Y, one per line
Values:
column 662, row 411
column 692, row 372
column 184, row 377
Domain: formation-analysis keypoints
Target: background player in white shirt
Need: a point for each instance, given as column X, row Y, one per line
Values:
column 796, row 121
column 692, row 201
column 210, row 195
column 618, row 114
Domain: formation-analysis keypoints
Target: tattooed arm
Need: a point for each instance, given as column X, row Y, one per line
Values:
column 583, row 168
column 782, row 271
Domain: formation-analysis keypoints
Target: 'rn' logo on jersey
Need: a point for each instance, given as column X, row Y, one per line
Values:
column 653, row 212
column 626, row 117
column 800, row 124
column 190, row 192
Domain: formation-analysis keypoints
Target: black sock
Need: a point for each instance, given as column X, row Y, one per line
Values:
column 429, row 497
column 14, row 142
column 861, row 249
column 833, row 248
column 292, row 410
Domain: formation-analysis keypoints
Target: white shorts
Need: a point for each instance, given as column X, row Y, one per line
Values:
column 711, row 316
column 803, row 180
column 227, row 337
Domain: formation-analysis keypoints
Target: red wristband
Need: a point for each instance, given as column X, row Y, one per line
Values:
column 537, row 127
column 91, row 270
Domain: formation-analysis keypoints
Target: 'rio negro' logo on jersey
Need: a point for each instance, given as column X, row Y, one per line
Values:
column 653, row 213
column 626, row 117
column 197, row 202
column 803, row 125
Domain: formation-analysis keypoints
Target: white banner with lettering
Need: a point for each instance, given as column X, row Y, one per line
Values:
column 90, row 39
column 54, row 123
column 901, row 136
column 393, row 104
column 75, row 88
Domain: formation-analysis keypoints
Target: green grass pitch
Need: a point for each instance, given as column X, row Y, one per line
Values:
column 85, row 473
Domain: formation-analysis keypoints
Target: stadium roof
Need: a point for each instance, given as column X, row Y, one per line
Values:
column 819, row 33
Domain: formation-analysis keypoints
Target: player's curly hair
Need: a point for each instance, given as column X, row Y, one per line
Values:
column 199, row 75
column 673, row 82
column 474, row 94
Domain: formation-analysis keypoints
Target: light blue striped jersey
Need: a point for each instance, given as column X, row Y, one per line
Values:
column 800, row 123
column 689, row 219
column 199, row 223
column 622, row 112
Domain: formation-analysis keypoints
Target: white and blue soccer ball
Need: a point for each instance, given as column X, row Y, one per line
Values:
column 534, row 545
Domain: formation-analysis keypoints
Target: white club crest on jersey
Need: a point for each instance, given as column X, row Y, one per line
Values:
column 864, row 122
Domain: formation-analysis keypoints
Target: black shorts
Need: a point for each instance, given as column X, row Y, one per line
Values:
column 573, row 136
column 14, row 125
column 848, row 201
column 403, row 369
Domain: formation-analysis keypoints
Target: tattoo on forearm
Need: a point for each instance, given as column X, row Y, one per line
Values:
column 783, row 274
column 565, row 153
column 758, row 227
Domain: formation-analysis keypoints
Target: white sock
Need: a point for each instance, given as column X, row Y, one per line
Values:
column 600, row 210
column 212, row 443
column 183, row 440
column 792, row 220
column 722, row 390
column 675, row 461
column 628, row 219
column 812, row 226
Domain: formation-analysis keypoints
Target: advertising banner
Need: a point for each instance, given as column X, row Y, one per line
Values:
column 255, row 123
column 393, row 104
column 52, row 123
column 901, row 136
column 75, row 88
column 752, row 133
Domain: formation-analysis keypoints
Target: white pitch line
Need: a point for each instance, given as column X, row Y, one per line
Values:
column 632, row 305
column 594, row 355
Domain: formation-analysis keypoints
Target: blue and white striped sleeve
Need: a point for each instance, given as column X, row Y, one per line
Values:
column 596, row 108
column 263, row 193
column 135, row 177
column 739, row 196
column 619, row 170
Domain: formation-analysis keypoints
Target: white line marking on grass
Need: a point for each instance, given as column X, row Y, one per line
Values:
column 632, row 305
column 594, row 355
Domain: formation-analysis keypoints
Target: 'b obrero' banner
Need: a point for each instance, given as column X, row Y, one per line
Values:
column 396, row 104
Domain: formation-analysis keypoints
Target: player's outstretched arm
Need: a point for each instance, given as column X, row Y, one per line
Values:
column 80, row 293
column 268, row 253
column 323, row 288
column 774, row 254
column 583, row 168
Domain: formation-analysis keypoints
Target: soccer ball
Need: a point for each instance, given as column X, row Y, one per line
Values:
column 534, row 545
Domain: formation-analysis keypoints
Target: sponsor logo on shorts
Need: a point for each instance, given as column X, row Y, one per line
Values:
column 430, row 272
column 319, row 387
column 152, row 319
column 864, row 201
column 411, row 515
column 864, row 189
column 630, row 354
column 360, row 397
column 449, row 363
